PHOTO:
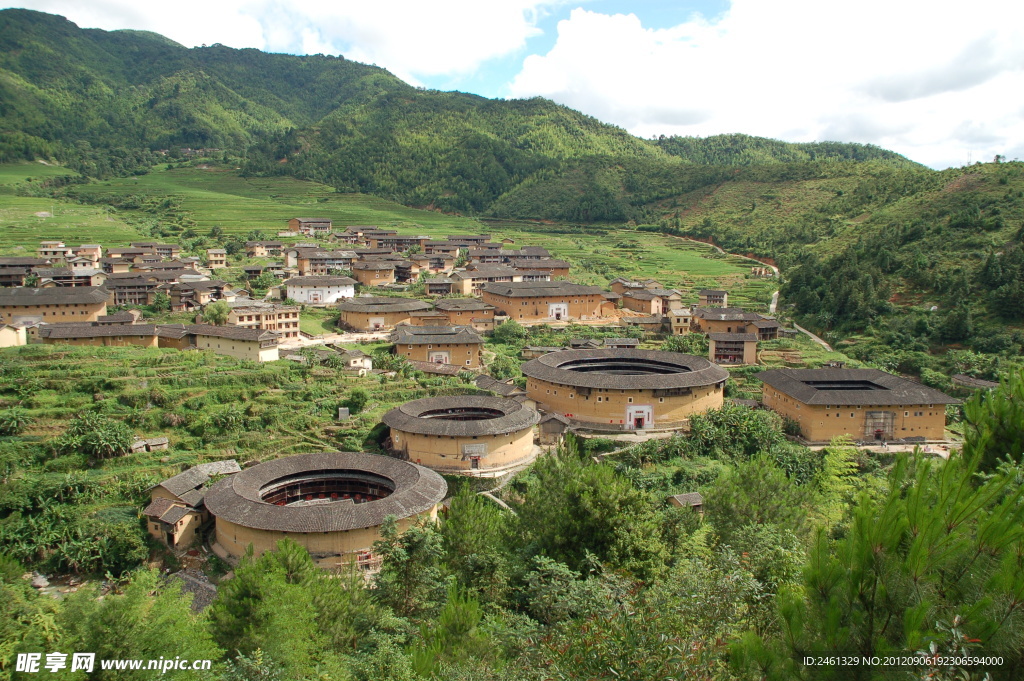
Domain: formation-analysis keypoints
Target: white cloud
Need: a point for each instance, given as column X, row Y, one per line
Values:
column 412, row 38
column 934, row 80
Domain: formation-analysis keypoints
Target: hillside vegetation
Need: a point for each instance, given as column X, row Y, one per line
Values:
column 103, row 102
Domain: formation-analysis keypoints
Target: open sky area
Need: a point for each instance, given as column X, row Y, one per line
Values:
column 938, row 81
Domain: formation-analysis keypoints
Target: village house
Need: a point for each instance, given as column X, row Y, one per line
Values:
column 137, row 288
column 680, row 320
column 438, row 286
column 458, row 345
column 865, row 404
column 78, row 263
column 766, row 328
column 473, row 240
column 68, row 276
column 428, row 318
column 374, row 272
column 733, row 348
column 115, row 265
column 55, row 251
column 650, row 325
column 620, row 285
column 58, row 304
column 712, row 298
column 190, row 295
column 724, row 320
column 253, row 344
column 91, row 252
column 371, row 313
column 554, row 268
column 691, row 500
column 165, row 251
column 311, row 261
column 262, row 249
column 12, row 336
column 441, row 247
column 651, row 301
column 472, row 281
column 467, row 311
column 319, row 290
column 266, row 316
column 108, row 335
column 540, row 301
column 395, row 242
column 14, row 270
column 176, row 511
column 310, row 226
column 216, row 258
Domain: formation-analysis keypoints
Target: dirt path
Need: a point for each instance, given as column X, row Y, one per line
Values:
column 814, row 338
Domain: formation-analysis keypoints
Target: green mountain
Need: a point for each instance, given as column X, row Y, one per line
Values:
column 103, row 101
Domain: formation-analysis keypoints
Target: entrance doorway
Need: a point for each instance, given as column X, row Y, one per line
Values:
column 639, row 416
column 558, row 311
column 879, row 425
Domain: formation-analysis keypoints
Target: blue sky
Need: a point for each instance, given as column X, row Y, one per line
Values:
column 938, row 81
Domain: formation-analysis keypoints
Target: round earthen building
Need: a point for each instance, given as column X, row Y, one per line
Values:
column 333, row 504
column 471, row 434
column 625, row 389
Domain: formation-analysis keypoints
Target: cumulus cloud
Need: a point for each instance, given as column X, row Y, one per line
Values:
column 411, row 38
column 930, row 79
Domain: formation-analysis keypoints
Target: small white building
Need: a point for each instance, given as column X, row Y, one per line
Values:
column 319, row 290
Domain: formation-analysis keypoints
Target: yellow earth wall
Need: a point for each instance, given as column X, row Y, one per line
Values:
column 443, row 453
column 234, row 539
column 821, row 423
column 74, row 312
column 536, row 309
column 459, row 353
column 613, row 405
column 360, row 321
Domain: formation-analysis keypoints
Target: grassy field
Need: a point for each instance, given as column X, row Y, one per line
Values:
column 25, row 221
column 599, row 255
column 218, row 197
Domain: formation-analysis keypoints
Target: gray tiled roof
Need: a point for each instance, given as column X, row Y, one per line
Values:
column 408, row 417
column 725, row 314
column 61, row 295
column 879, row 387
column 422, row 335
column 689, row 499
column 237, row 499
column 709, row 292
column 78, row 330
column 459, row 304
column 687, row 371
column 534, row 289
column 158, row 507
column 485, row 382
column 198, row 475
column 174, row 514
column 320, row 281
column 733, row 336
column 971, row 382
column 435, row 368
column 381, row 304
column 231, row 332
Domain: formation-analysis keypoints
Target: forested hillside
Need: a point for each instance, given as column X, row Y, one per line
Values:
column 103, row 102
